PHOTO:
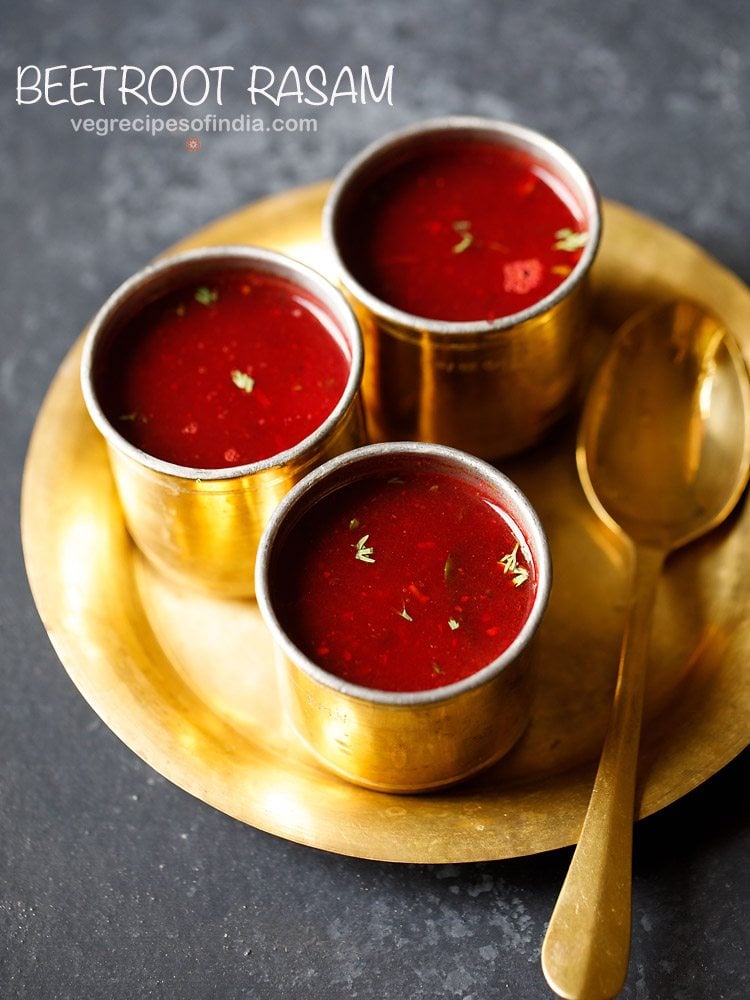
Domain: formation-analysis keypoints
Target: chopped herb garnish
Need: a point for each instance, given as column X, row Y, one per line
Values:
column 436, row 668
column 462, row 228
column 354, row 523
column 243, row 381
column 569, row 240
column 205, row 295
column 128, row 416
column 453, row 624
column 405, row 615
column 180, row 310
column 364, row 551
column 510, row 565
column 510, row 562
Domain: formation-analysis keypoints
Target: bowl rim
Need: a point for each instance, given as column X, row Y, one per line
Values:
column 516, row 136
column 366, row 457
column 265, row 261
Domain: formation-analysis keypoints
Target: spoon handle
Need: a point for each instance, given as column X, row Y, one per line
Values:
column 587, row 945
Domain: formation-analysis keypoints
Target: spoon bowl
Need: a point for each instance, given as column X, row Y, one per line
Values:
column 663, row 455
column 663, row 448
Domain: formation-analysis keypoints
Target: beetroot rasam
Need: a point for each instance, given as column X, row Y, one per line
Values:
column 404, row 583
column 463, row 231
column 225, row 372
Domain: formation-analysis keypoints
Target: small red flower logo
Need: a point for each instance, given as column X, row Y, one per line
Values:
column 192, row 144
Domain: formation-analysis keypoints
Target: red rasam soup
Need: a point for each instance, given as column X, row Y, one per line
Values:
column 224, row 371
column 462, row 230
column 404, row 582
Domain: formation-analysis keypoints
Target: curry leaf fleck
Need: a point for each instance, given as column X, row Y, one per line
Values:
column 205, row 295
column 364, row 551
column 462, row 228
column 510, row 565
column 569, row 240
column 243, row 381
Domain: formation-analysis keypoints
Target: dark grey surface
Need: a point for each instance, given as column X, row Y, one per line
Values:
column 115, row 884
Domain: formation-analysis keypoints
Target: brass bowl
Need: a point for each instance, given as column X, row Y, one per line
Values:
column 203, row 526
column 490, row 388
column 404, row 741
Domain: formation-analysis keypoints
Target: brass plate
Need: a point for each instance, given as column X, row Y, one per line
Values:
column 187, row 682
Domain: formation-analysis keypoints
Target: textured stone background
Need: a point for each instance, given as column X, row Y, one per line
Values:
column 113, row 883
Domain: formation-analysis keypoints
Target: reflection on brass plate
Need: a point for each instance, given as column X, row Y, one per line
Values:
column 187, row 681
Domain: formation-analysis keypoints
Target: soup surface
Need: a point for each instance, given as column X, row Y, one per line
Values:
column 226, row 371
column 463, row 232
column 404, row 582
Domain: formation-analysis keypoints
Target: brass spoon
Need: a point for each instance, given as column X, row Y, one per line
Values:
column 663, row 453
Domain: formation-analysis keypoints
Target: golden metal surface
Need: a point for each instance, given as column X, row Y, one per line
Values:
column 663, row 454
column 187, row 681
column 408, row 748
column 453, row 389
